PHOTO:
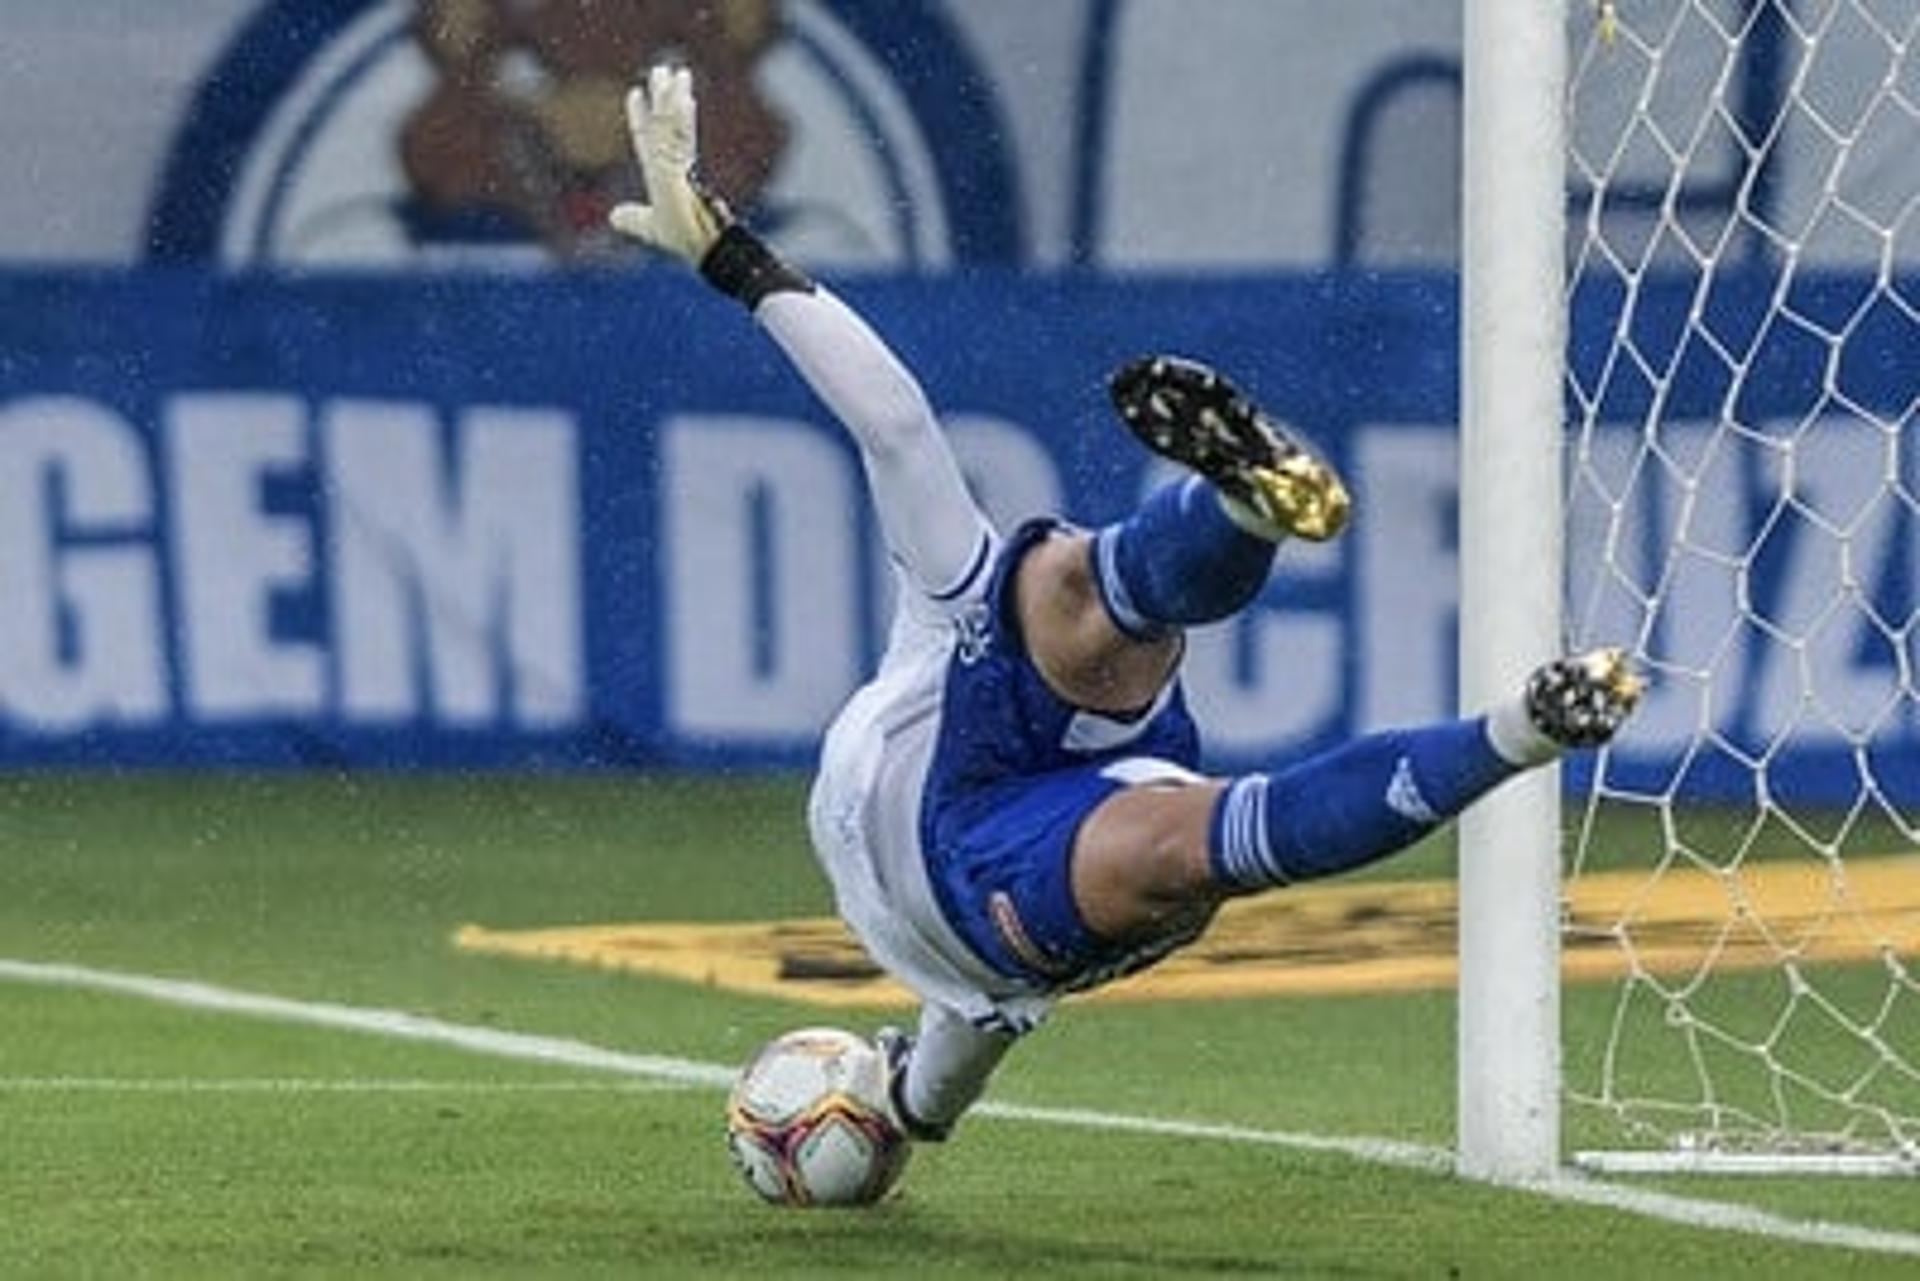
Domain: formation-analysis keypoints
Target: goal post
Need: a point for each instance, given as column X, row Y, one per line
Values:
column 1690, row 425
column 1513, row 327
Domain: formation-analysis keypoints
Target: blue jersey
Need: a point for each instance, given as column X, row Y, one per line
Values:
column 1001, row 724
column 1015, row 771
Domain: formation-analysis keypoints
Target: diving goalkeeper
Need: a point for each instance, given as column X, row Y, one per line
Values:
column 1010, row 809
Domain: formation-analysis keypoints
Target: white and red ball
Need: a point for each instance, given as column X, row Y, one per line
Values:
column 808, row 1121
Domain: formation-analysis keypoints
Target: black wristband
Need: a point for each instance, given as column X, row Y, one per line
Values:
column 741, row 266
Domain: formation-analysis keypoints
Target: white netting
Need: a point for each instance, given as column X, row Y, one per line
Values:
column 1744, row 510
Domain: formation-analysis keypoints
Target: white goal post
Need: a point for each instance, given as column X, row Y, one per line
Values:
column 1513, row 327
column 1690, row 425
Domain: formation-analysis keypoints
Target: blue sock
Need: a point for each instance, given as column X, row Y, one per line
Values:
column 1179, row 559
column 1351, row 806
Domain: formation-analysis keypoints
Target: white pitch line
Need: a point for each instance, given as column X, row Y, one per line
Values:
column 321, row 1085
column 1395, row 1152
column 393, row 1023
column 1688, row 1211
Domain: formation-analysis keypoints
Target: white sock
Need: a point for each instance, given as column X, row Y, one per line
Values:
column 951, row 1062
column 1513, row 735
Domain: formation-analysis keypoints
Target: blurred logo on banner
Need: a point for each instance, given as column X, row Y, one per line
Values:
column 402, row 133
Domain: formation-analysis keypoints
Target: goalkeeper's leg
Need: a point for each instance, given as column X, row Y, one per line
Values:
column 1147, row 855
column 935, row 1074
column 1102, row 613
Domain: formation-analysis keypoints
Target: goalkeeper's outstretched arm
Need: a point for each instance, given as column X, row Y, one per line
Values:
column 931, row 524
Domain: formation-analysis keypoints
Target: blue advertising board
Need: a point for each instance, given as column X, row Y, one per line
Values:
column 594, row 520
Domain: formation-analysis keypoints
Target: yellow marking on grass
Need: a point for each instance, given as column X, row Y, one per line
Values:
column 1366, row 936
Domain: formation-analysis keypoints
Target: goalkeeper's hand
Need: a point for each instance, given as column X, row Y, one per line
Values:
column 679, row 217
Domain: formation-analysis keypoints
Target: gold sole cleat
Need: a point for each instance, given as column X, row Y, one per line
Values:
column 1583, row 699
column 1302, row 496
column 1185, row 411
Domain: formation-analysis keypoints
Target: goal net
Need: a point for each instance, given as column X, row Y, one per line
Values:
column 1742, row 914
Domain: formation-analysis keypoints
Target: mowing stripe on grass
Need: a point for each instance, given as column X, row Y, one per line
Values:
column 1690, row 1211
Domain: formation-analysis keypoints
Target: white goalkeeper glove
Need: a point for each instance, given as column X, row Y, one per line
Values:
column 679, row 217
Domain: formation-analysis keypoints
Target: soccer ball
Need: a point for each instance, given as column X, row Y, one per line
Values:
column 808, row 1122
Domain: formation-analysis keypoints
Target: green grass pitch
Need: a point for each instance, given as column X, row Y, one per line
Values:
column 144, row 1139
